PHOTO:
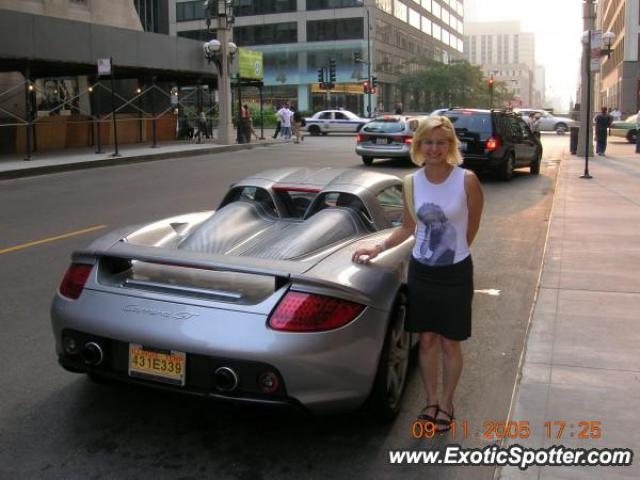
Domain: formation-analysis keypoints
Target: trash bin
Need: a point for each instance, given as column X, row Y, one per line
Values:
column 573, row 139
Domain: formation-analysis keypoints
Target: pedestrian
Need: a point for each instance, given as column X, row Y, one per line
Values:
column 399, row 108
column 279, row 124
column 443, row 205
column 534, row 124
column 603, row 122
column 616, row 114
column 202, row 127
column 298, row 123
column 285, row 115
column 638, row 132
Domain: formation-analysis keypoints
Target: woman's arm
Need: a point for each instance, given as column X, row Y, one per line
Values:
column 398, row 236
column 475, row 203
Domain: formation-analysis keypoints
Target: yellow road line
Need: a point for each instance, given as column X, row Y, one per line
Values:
column 52, row 239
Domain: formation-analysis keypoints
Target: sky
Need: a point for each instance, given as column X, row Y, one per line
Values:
column 558, row 27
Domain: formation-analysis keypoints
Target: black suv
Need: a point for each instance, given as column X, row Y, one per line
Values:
column 495, row 140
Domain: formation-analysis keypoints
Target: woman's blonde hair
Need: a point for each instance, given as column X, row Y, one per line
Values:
column 425, row 128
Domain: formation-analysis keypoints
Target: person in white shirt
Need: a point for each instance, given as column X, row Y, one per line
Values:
column 285, row 115
column 616, row 114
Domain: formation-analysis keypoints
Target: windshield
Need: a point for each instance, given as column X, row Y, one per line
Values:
column 473, row 122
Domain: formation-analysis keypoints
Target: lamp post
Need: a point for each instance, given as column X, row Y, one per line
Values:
column 368, row 57
column 221, row 52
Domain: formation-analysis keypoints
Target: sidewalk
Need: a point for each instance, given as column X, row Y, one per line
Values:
column 582, row 357
column 15, row 166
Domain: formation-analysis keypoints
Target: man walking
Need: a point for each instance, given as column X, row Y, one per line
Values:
column 284, row 115
column 603, row 122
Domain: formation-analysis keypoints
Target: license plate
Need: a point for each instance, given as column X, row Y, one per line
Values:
column 167, row 366
column 380, row 141
column 463, row 146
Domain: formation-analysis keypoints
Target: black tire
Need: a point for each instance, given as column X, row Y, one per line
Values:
column 507, row 167
column 561, row 128
column 367, row 160
column 391, row 377
column 314, row 130
column 534, row 168
column 632, row 136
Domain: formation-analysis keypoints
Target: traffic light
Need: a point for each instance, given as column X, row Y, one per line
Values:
column 374, row 90
column 365, row 86
column 332, row 70
column 490, row 83
column 321, row 75
column 374, row 82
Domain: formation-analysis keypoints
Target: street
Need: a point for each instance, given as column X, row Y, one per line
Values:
column 55, row 424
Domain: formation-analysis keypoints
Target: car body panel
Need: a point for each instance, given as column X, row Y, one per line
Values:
column 151, row 285
column 626, row 128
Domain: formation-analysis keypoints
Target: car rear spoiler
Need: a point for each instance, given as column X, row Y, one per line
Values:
column 284, row 271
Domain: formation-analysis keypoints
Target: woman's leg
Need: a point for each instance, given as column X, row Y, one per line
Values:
column 429, row 347
column 451, row 370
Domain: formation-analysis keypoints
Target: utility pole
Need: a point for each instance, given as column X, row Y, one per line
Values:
column 585, row 145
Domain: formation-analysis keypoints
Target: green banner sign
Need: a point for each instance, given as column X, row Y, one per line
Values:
column 250, row 64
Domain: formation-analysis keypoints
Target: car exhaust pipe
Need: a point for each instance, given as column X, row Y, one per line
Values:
column 92, row 354
column 225, row 379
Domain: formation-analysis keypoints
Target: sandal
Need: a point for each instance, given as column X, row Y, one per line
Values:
column 426, row 417
column 442, row 424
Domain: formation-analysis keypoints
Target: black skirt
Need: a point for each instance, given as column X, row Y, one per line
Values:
column 440, row 298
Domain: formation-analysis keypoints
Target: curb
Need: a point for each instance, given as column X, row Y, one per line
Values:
column 127, row 160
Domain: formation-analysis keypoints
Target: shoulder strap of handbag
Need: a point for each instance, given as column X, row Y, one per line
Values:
column 408, row 195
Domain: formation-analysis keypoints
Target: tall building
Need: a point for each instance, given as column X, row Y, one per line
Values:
column 507, row 53
column 298, row 37
column 618, row 84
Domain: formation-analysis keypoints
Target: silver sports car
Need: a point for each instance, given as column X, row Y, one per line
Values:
column 256, row 302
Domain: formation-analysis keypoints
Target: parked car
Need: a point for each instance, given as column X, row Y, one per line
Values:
column 548, row 121
column 389, row 136
column 439, row 111
column 256, row 302
column 496, row 140
column 625, row 128
column 334, row 121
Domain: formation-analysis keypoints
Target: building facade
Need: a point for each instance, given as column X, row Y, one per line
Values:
column 298, row 37
column 618, row 84
column 504, row 51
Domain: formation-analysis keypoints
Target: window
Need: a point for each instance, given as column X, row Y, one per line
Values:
column 325, row 116
column 386, row 6
column 392, row 203
column 414, row 18
column 324, row 4
column 339, row 29
column 426, row 25
column 400, row 10
column 266, row 34
column 426, row 4
column 437, row 9
column 341, row 116
column 187, row 11
column 249, row 7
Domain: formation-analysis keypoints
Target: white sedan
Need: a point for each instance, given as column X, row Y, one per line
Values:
column 334, row 121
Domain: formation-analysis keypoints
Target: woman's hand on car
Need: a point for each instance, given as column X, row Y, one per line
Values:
column 366, row 254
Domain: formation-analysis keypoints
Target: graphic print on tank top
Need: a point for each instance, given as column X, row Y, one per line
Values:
column 438, row 247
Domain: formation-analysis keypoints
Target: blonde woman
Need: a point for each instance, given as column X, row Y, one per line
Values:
column 447, row 206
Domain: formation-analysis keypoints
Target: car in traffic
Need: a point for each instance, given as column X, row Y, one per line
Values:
column 388, row 136
column 257, row 302
column 548, row 121
column 496, row 140
column 626, row 128
column 334, row 121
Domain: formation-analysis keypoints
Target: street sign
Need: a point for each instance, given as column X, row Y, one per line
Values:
column 250, row 64
column 104, row 66
column 596, row 45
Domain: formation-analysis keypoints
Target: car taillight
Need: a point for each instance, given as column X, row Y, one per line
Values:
column 361, row 138
column 74, row 280
column 403, row 139
column 492, row 144
column 306, row 312
column 408, row 140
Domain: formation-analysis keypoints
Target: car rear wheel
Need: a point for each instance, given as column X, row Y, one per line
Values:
column 393, row 367
column 561, row 129
column 632, row 136
column 507, row 168
column 314, row 130
column 367, row 160
column 534, row 168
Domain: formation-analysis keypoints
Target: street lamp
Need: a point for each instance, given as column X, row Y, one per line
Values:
column 368, row 57
column 221, row 52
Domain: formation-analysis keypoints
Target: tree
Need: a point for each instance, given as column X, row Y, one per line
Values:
column 439, row 85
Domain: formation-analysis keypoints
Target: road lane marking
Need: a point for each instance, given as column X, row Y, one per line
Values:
column 52, row 239
column 489, row 291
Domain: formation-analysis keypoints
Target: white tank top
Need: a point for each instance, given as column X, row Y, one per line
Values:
column 442, row 219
